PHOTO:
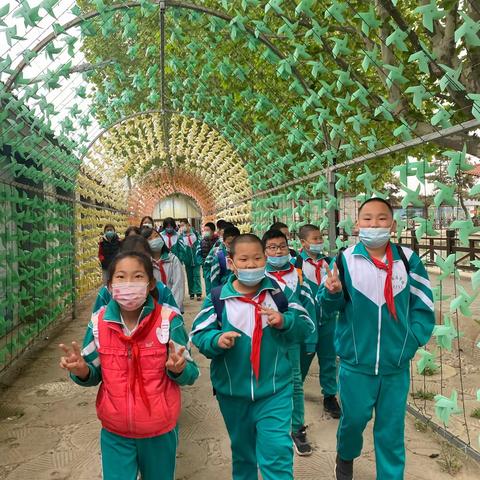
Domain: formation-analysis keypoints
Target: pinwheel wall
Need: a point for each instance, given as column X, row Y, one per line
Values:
column 281, row 109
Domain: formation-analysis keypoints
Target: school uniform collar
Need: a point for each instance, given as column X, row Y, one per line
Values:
column 359, row 249
column 228, row 291
column 112, row 312
column 284, row 268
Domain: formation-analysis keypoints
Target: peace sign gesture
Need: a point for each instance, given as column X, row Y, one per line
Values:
column 274, row 318
column 176, row 362
column 73, row 361
column 332, row 282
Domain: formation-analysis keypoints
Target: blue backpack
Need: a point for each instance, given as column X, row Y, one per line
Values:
column 222, row 260
column 280, row 299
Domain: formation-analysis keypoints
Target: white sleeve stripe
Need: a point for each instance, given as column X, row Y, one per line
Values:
column 90, row 348
column 307, row 295
column 422, row 297
column 420, row 279
column 205, row 310
column 96, row 362
column 211, row 319
column 171, row 307
column 296, row 306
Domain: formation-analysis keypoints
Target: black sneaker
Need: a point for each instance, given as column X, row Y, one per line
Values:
column 343, row 469
column 300, row 442
column 331, row 406
column 199, row 298
column 192, row 297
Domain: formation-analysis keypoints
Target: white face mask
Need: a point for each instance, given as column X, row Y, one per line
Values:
column 374, row 237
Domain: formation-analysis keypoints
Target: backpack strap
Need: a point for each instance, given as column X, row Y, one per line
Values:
column 299, row 268
column 218, row 303
column 222, row 260
column 402, row 255
column 279, row 297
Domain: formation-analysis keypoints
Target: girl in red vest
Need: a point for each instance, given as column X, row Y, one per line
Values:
column 137, row 350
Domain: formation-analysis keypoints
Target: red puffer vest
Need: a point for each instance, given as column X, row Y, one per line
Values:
column 136, row 398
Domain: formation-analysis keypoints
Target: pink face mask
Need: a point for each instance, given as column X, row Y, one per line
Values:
column 130, row 295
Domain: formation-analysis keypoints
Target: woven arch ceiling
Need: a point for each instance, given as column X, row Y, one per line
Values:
column 193, row 159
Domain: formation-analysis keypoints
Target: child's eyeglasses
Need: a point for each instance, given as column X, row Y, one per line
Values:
column 276, row 248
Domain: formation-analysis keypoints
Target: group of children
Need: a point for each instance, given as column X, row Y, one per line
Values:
column 267, row 312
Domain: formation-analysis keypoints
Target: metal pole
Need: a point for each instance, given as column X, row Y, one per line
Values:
column 332, row 213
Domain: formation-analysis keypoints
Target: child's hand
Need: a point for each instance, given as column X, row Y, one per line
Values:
column 176, row 362
column 74, row 362
column 274, row 318
column 227, row 340
column 332, row 282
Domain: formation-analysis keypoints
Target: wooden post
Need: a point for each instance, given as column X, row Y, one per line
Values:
column 450, row 241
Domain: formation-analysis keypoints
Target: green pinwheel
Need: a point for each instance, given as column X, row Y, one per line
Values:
column 427, row 361
column 445, row 407
column 466, row 228
column 447, row 266
column 445, row 195
column 463, row 301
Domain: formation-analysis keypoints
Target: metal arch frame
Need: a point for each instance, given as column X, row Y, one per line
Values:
column 132, row 4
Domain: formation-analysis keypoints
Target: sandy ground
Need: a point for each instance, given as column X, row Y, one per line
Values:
column 48, row 427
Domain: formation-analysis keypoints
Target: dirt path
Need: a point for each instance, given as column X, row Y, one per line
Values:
column 49, row 431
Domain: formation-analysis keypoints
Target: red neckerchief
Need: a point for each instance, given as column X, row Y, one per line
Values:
column 189, row 238
column 279, row 274
column 318, row 268
column 170, row 235
column 257, row 332
column 140, row 333
column 163, row 274
column 388, row 291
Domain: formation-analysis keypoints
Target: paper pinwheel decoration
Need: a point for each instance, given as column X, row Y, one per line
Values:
column 427, row 361
column 445, row 407
column 447, row 266
column 465, row 229
column 446, row 333
column 463, row 301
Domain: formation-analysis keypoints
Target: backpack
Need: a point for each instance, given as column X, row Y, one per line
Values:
column 341, row 269
column 280, row 299
column 222, row 260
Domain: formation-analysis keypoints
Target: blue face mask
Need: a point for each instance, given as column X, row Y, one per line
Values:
column 250, row 276
column 156, row 244
column 110, row 234
column 278, row 262
column 374, row 237
column 316, row 248
column 169, row 229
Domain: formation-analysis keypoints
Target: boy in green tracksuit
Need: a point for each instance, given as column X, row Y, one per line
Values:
column 313, row 263
column 207, row 263
column 246, row 327
column 386, row 313
column 191, row 257
column 219, row 273
column 286, row 275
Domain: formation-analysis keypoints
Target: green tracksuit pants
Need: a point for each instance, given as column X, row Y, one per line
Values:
column 360, row 395
column 193, row 279
column 123, row 458
column 298, row 414
column 260, row 435
column 327, row 359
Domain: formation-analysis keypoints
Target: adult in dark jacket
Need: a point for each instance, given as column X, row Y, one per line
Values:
column 208, row 239
column 107, row 248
